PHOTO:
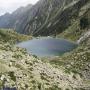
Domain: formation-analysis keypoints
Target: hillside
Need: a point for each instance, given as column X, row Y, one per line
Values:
column 78, row 26
column 69, row 19
column 28, row 72
column 24, row 71
column 47, row 17
column 15, row 18
column 57, row 17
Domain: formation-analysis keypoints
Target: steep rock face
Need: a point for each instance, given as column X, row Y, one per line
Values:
column 47, row 17
column 52, row 17
column 79, row 25
column 84, row 37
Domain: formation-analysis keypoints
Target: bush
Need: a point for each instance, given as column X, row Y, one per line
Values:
column 11, row 74
column 55, row 87
column 84, row 23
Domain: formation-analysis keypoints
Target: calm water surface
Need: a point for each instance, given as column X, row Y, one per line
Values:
column 47, row 46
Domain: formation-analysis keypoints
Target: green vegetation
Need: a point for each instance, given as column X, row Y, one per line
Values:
column 84, row 23
column 54, row 87
column 73, row 32
column 17, row 55
column 17, row 68
column 11, row 74
column 12, row 37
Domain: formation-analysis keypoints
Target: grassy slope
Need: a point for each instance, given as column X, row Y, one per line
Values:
column 12, row 37
column 26, row 72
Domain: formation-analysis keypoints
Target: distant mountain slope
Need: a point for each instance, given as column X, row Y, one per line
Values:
column 50, row 17
column 56, row 16
column 12, row 20
column 47, row 17
column 4, row 20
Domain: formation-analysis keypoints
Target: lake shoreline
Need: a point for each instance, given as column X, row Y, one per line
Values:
column 52, row 47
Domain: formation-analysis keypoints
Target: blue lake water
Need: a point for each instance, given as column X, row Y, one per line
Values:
column 47, row 46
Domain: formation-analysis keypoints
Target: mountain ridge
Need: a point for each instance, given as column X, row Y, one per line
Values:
column 39, row 14
column 45, row 17
column 10, row 20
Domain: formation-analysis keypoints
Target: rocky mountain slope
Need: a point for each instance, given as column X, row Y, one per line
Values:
column 12, row 20
column 47, row 17
column 58, row 15
column 78, row 26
